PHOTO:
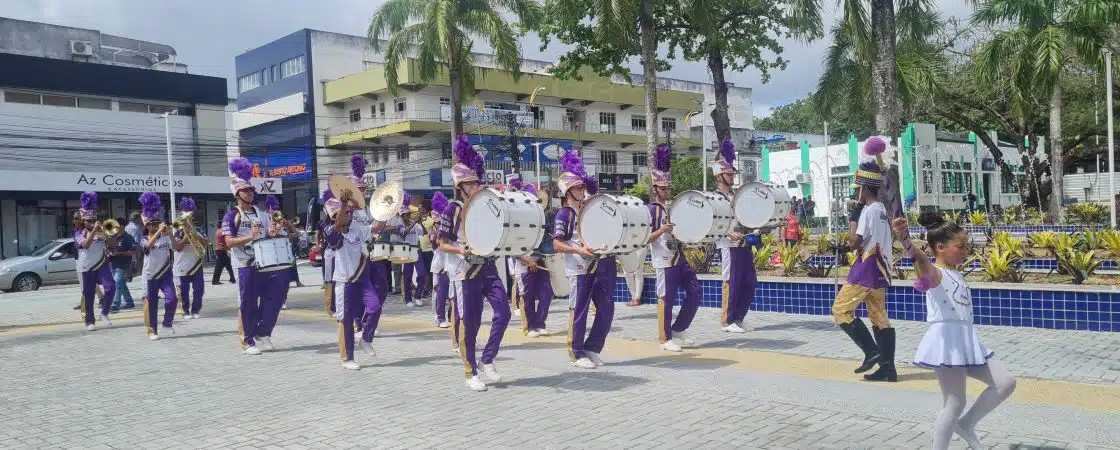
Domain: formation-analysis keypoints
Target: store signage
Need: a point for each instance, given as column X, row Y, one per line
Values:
column 617, row 181
column 291, row 165
column 21, row 180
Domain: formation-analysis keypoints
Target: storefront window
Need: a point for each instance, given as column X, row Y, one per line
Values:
column 41, row 221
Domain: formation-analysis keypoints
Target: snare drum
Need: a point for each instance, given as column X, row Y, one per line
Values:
column 701, row 217
column 503, row 223
column 620, row 224
column 272, row 254
column 403, row 254
column 379, row 251
column 759, row 205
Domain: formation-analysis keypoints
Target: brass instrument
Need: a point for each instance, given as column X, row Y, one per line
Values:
column 278, row 216
column 186, row 225
column 111, row 227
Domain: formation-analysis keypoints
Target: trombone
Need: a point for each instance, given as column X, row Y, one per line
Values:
column 186, row 225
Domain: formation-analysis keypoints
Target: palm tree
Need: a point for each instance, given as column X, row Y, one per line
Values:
column 1044, row 39
column 440, row 34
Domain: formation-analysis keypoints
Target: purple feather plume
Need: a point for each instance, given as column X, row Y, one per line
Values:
column 591, row 185
column 150, row 205
column 241, row 168
column 572, row 163
column 407, row 200
column 661, row 159
column 327, row 195
column 439, row 202
column 466, row 155
column 875, row 146
column 530, row 188
column 516, row 184
column 357, row 165
column 187, row 205
column 271, row 203
column 727, row 151
column 89, row 201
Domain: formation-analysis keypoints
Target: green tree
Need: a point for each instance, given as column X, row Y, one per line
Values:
column 1042, row 40
column 687, row 173
column 441, row 34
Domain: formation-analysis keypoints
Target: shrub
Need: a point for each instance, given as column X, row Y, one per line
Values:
column 762, row 256
column 1110, row 240
column 822, row 245
column 1087, row 213
column 1006, row 242
column 978, row 218
column 1078, row 263
column 1042, row 240
column 1002, row 265
column 791, row 258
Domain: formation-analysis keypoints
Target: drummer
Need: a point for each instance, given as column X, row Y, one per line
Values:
column 739, row 276
column 533, row 283
column 474, row 279
column 667, row 258
column 408, row 231
column 379, row 270
column 439, row 276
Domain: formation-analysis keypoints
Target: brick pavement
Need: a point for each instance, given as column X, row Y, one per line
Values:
column 114, row 389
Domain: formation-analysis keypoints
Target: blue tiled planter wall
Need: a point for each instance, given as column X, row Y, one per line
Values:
column 1072, row 310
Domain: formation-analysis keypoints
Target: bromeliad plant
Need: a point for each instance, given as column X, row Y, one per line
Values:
column 791, row 258
column 762, row 255
column 1087, row 213
column 1110, row 240
column 1078, row 263
column 1090, row 240
column 1002, row 265
column 978, row 218
column 1006, row 242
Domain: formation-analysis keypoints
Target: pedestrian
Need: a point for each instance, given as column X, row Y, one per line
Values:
column 121, row 259
column 950, row 346
column 791, row 230
column 221, row 249
column 135, row 229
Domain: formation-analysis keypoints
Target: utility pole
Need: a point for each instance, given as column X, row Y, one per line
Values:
column 170, row 164
column 1111, row 138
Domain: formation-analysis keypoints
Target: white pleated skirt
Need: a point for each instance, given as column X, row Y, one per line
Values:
column 951, row 344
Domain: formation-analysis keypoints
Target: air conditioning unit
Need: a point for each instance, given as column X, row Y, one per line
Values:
column 803, row 178
column 81, row 48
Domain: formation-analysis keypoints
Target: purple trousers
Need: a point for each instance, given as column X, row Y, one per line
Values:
column 535, row 289
column 411, row 289
column 187, row 283
column 739, row 289
column 165, row 284
column 261, row 294
column 596, row 288
column 361, row 303
column 90, row 279
column 669, row 281
column 484, row 286
column 439, row 298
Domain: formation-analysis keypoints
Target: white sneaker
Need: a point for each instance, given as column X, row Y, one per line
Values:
column 671, row 346
column 91, row 327
column 594, row 357
column 265, row 343
column 368, row 347
column 169, row 331
column 154, row 337
column 476, row 384
column 582, row 363
column 377, row 333
column 105, row 319
column 491, row 372
column 252, row 351
column 410, row 305
column 445, row 325
column 533, row 333
column 186, row 316
column 351, row 365
column 194, row 316
column 682, row 337
column 418, row 303
column 733, row 328
column 544, row 331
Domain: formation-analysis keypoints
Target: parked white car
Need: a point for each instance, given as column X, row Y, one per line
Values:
column 53, row 263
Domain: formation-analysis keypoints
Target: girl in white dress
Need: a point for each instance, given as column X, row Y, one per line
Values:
column 950, row 347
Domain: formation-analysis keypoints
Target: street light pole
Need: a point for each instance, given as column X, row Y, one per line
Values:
column 170, row 165
column 828, row 177
column 537, row 146
column 1111, row 143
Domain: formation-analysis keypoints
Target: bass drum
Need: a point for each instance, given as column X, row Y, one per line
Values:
column 555, row 265
column 503, row 223
column 618, row 224
column 701, row 217
column 633, row 262
column 759, row 205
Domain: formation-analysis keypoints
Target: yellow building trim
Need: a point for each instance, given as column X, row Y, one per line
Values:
column 591, row 88
column 417, row 126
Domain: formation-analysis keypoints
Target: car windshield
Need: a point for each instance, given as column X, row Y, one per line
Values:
column 45, row 248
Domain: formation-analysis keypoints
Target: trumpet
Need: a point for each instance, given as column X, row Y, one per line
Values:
column 278, row 216
column 111, row 227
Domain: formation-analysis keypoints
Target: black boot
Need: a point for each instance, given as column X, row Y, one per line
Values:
column 886, row 372
column 859, row 334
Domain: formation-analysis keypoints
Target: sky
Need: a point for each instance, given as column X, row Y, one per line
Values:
column 208, row 34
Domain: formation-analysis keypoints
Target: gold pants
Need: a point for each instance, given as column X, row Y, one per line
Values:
column 849, row 298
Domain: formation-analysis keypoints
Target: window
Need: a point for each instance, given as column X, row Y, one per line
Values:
column 266, row 76
column 21, row 97
column 606, row 123
column 132, row 107
column 376, row 157
column 291, row 67
column 841, row 187
column 640, row 159
column 927, row 177
column 381, row 107
column 94, row 103
column 160, row 109
column 499, row 106
column 355, row 115
column 446, row 153
column 668, row 124
column 445, row 101
column 399, row 105
column 249, row 82
column 275, row 73
column 841, row 170
column 637, row 123
column 608, row 158
column 60, row 100
column 402, row 153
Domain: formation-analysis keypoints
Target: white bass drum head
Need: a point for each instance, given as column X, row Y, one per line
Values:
column 486, row 221
column 692, row 214
column 601, row 222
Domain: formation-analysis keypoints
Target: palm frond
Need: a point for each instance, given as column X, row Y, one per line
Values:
column 805, row 19
column 1050, row 54
column 391, row 17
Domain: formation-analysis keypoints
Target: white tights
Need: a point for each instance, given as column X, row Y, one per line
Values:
column 634, row 281
column 952, row 380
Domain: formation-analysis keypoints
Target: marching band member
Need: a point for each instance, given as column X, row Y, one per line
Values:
column 157, row 266
column 379, row 271
column 739, row 276
column 533, row 284
column 585, row 269
column 475, row 280
column 408, row 233
column 328, row 258
column 667, row 256
column 257, row 293
column 349, row 240
column 93, row 261
column 868, row 279
column 187, row 267
column 282, row 277
column 439, row 275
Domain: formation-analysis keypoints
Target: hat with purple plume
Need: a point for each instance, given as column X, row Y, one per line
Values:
column 592, row 185
column 471, row 166
column 660, row 175
column 89, row 206
column 406, row 203
column 515, row 184
column 439, row 203
column 572, row 174
column 327, row 195
column 242, row 171
column 357, row 170
column 725, row 160
column 187, row 206
column 151, row 208
column 530, row 188
column 868, row 174
column 271, row 203
column 332, row 206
